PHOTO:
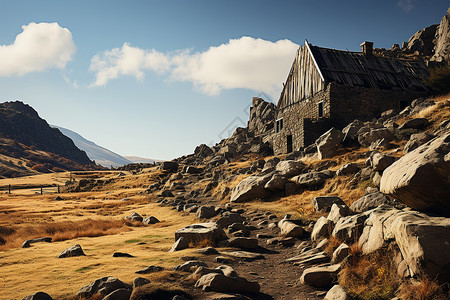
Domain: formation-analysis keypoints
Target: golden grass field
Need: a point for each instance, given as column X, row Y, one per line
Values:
column 27, row 270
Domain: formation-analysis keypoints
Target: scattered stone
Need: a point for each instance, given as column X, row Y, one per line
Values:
column 320, row 277
column 135, row 217
column 150, row 269
column 206, row 212
column 311, row 180
column 324, row 203
column 103, row 286
column 338, row 211
column 180, row 244
column 201, row 232
column 243, row 243
column 208, row 251
column 374, row 135
column 72, row 251
column 290, row 229
column 150, row 220
column 187, row 266
column 122, row 254
column 120, row 294
column 340, row 253
column 245, row 256
column 28, row 243
column 337, row 293
column 416, row 123
column 276, row 183
column 370, row 201
column 250, row 188
column 328, row 142
column 229, row 218
column 381, row 161
column 289, row 168
column 140, row 281
column 221, row 283
column 347, row 169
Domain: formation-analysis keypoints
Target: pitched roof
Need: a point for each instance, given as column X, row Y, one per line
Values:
column 358, row 69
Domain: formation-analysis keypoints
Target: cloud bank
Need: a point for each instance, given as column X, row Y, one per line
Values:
column 38, row 47
column 246, row 62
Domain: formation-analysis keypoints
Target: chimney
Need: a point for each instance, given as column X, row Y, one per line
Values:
column 367, row 48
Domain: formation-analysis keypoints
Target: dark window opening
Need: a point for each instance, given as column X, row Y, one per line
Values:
column 289, row 143
column 320, row 109
column 279, row 125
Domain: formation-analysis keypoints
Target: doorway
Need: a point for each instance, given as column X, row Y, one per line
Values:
column 289, row 143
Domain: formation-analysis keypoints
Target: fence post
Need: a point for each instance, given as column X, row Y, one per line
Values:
column 9, row 189
column 58, row 189
column 41, row 190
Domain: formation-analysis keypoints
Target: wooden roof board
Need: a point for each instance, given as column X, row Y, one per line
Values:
column 368, row 71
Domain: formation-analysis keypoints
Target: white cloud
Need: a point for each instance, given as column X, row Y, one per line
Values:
column 250, row 63
column 38, row 47
column 255, row 64
column 127, row 60
column 406, row 5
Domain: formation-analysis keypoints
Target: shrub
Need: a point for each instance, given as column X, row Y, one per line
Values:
column 41, row 168
column 439, row 80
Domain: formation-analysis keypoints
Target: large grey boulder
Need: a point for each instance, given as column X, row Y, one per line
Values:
column 320, row 277
column 350, row 131
column 441, row 41
column 250, row 188
column 422, row 240
column 170, row 166
column 72, row 251
column 103, row 286
column 312, row 180
column 370, row 201
column 324, row 203
column 328, row 142
column 201, row 232
column 421, row 178
column 229, row 218
column 206, row 212
column 38, row 296
column 290, row 168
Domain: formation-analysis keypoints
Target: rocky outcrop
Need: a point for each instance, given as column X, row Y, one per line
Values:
column 442, row 41
column 421, row 178
column 262, row 115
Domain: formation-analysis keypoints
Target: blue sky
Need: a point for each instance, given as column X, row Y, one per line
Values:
column 156, row 78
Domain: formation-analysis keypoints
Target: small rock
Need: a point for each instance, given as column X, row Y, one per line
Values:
column 180, row 244
column 337, row 293
column 320, row 277
column 135, row 217
column 187, row 266
column 340, row 253
column 72, row 251
column 150, row 220
column 150, row 269
column 208, row 251
column 324, row 203
column 122, row 254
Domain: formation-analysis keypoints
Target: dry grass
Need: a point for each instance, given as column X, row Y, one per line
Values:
column 372, row 276
column 333, row 244
column 425, row 289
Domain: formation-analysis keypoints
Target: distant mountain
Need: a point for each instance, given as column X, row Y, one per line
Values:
column 137, row 159
column 29, row 144
column 100, row 155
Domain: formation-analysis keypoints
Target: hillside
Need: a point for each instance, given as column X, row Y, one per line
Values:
column 29, row 145
column 100, row 155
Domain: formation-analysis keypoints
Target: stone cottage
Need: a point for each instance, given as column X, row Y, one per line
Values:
column 330, row 88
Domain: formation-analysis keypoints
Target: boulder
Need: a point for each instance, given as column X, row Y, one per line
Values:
column 289, row 168
column 250, row 188
column 221, row 283
column 324, row 203
column 28, row 243
column 381, row 161
column 150, row 220
column 328, row 142
column 349, row 229
column 206, row 212
column 320, row 277
column 312, row 180
column 416, row 123
column 416, row 140
column 150, row 269
column 441, row 41
column 201, row 232
column 338, row 211
column 340, row 253
column 140, row 281
column 370, row 201
column 72, row 251
column 120, row 294
column 322, row 229
column 347, row 169
column 180, row 244
column 290, row 229
column 135, row 217
column 103, row 286
column 169, row 166
column 421, row 178
column 245, row 256
column 38, row 296
column 276, row 183
column 229, row 218
column 337, row 293
column 208, row 251
column 270, row 165
column 374, row 135
column 350, row 132
column 190, row 266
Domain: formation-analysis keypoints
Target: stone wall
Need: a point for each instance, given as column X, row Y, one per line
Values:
column 301, row 120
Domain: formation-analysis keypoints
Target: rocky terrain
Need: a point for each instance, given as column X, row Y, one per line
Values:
column 27, row 141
